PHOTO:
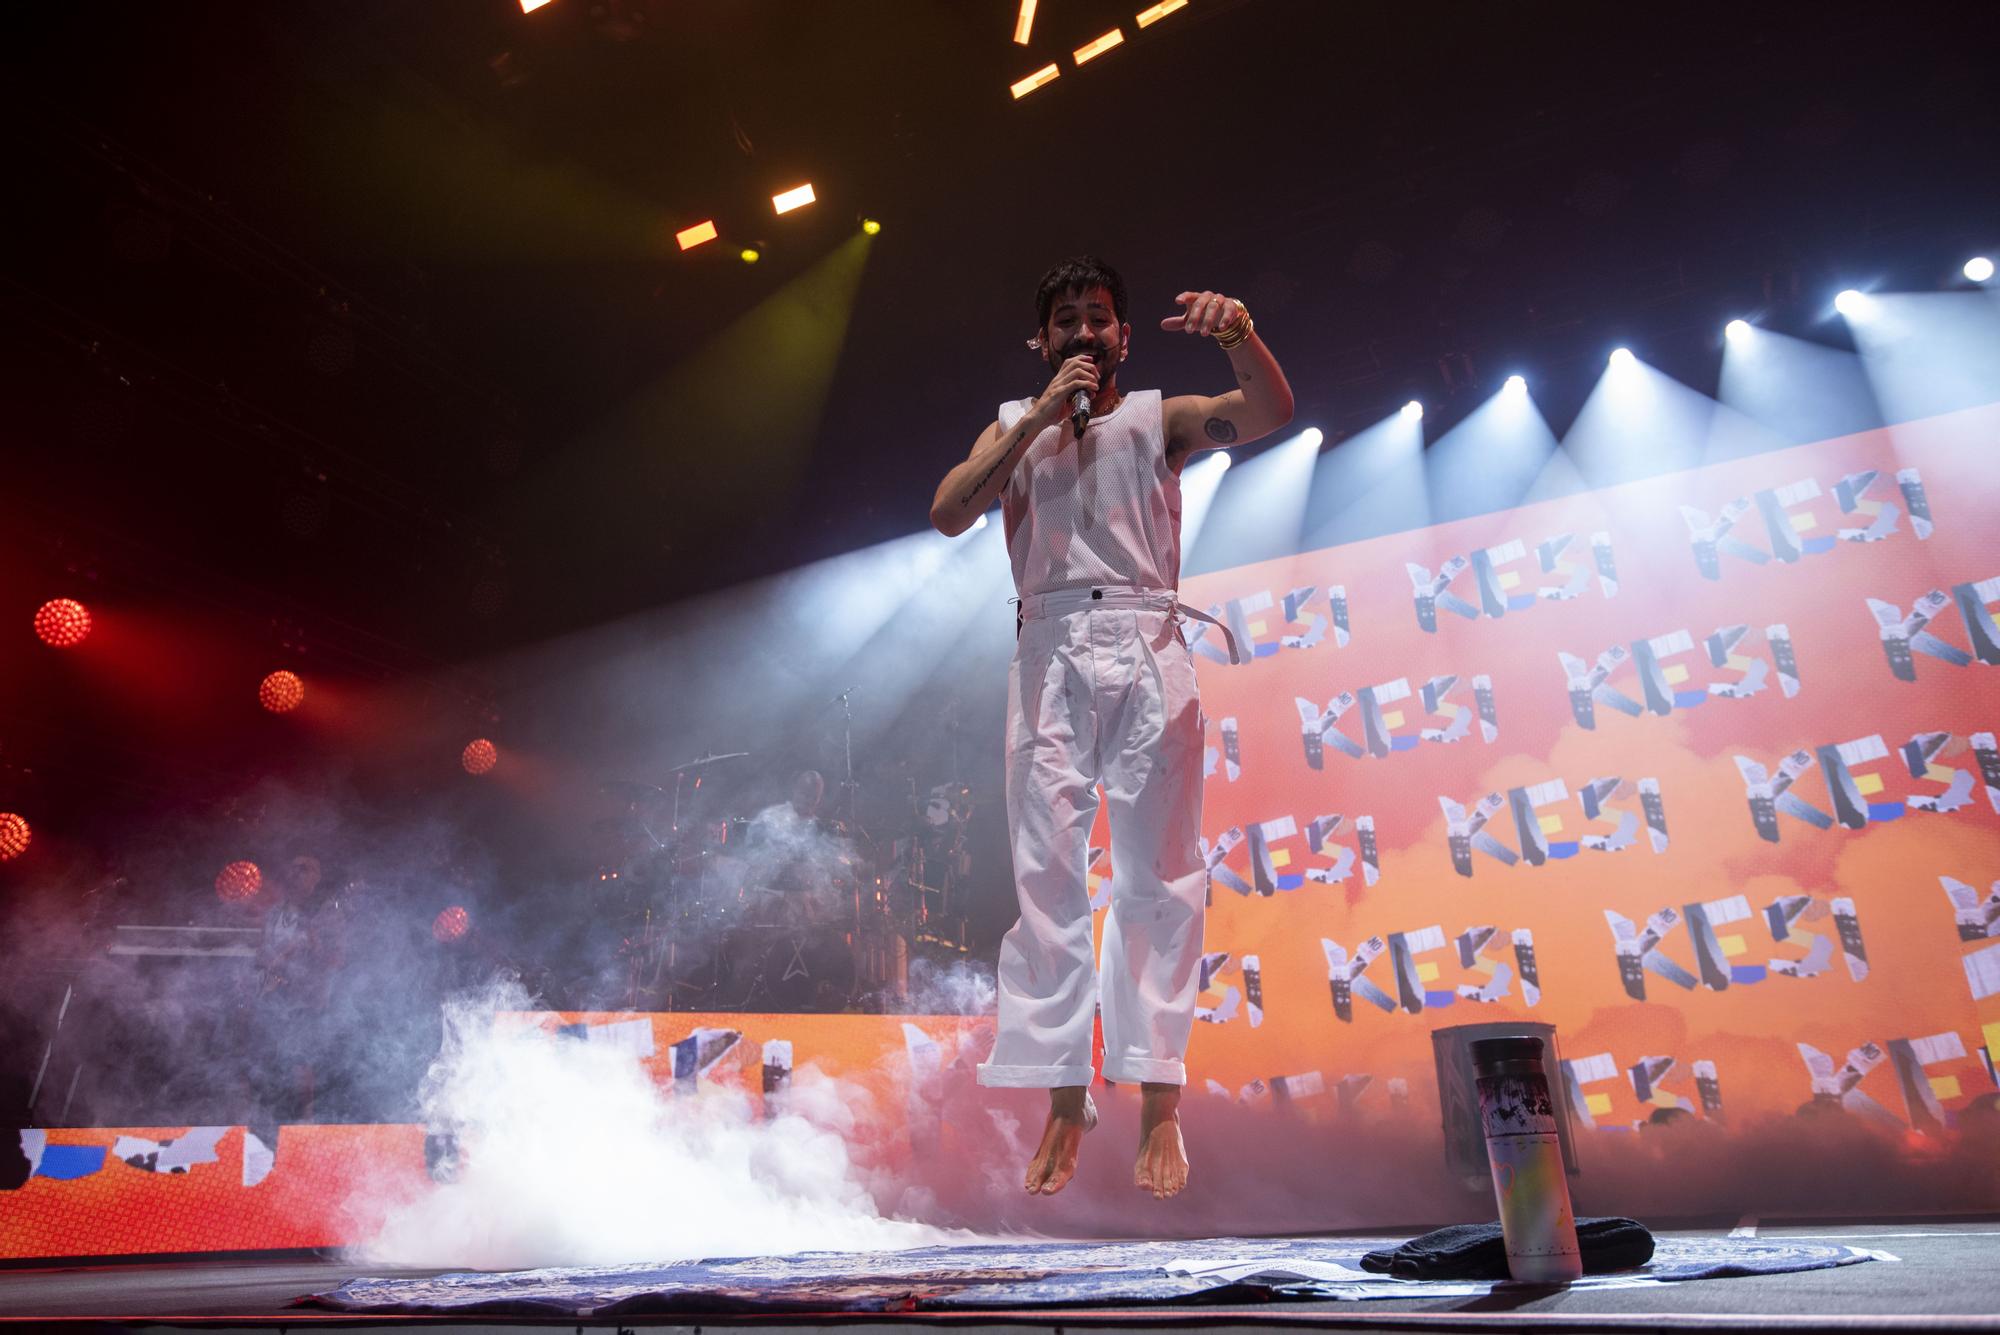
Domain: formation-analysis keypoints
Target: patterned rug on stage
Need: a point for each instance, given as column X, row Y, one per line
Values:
column 1018, row 1275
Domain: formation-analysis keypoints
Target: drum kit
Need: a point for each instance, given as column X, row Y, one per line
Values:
column 785, row 910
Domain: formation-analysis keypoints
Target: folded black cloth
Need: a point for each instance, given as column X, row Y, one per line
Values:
column 1478, row 1251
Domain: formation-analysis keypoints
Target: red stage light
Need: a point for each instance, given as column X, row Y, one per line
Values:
column 479, row 756
column 238, row 882
column 281, row 692
column 15, row 836
column 451, row 925
column 63, row 623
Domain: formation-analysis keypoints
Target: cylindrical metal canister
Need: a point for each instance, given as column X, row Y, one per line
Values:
column 1525, row 1152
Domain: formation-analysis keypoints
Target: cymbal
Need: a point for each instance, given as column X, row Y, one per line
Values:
column 627, row 790
column 700, row 761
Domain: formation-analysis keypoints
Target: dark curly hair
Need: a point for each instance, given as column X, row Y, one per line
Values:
column 1079, row 273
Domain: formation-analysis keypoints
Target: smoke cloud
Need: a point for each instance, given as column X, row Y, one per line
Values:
column 569, row 1154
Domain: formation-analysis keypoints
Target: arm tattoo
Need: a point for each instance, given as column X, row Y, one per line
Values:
column 1244, row 376
column 987, row 476
column 1220, row 430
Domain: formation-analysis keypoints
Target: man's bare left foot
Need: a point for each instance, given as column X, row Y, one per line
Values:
column 1071, row 1113
column 1163, row 1165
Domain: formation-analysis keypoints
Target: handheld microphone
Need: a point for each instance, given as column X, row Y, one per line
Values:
column 1079, row 402
column 1079, row 411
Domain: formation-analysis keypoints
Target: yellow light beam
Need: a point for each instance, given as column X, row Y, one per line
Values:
column 1023, row 25
column 1046, row 74
column 690, row 237
column 796, row 198
column 1097, row 47
column 1153, row 14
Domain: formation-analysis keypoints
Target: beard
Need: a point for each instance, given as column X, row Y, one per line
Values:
column 1100, row 354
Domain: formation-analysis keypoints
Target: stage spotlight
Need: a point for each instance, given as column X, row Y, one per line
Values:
column 530, row 6
column 979, row 523
column 281, row 692
column 15, row 836
column 1979, row 268
column 62, row 623
column 1413, row 409
column 870, row 226
column 1736, row 330
column 1851, row 303
column 1045, row 75
column 690, row 237
column 451, row 925
column 238, row 883
column 1154, row 13
column 1200, row 480
column 479, row 756
column 1515, row 385
column 1622, row 357
column 1024, row 23
column 1256, row 513
column 750, row 255
column 1097, row 46
column 796, row 198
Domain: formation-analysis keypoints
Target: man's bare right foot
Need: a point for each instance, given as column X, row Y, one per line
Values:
column 1071, row 1113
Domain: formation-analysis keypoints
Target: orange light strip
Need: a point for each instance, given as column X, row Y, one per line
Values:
column 530, row 6
column 1023, row 25
column 1046, row 74
column 1148, row 17
column 796, row 198
column 1091, row 50
column 690, row 237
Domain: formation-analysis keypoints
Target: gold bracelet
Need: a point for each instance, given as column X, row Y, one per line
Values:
column 1238, row 330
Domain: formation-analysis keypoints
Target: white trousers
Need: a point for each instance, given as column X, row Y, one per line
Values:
column 1102, row 690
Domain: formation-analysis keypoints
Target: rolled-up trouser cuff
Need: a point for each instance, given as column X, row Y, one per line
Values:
column 1144, row 1070
column 1033, row 1077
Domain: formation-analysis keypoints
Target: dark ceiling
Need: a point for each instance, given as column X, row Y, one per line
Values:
column 362, row 322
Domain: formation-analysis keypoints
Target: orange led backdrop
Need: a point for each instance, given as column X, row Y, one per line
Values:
column 1699, row 769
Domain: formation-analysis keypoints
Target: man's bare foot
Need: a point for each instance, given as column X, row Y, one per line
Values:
column 1163, row 1165
column 1071, row 1113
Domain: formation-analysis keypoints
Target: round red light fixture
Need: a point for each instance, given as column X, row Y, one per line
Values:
column 15, row 836
column 479, row 756
column 62, row 623
column 451, row 925
column 281, row 692
column 238, row 882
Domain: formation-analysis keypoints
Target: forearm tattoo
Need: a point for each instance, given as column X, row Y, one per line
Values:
column 1220, row 430
column 987, row 476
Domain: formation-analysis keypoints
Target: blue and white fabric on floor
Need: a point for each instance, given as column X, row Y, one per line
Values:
column 1018, row 1275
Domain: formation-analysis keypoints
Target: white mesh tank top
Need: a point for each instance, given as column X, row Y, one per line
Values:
column 1103, row 510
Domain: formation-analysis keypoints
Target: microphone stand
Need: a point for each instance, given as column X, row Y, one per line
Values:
column 847, row 786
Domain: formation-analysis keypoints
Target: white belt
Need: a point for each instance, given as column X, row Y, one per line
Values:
column 1062, row 602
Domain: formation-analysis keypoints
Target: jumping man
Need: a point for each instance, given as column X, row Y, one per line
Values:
column 1102, row 691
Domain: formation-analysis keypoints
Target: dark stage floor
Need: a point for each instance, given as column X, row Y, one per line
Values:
column 1947, row 1278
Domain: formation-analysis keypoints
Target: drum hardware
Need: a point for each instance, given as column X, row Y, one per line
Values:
column 833, row 926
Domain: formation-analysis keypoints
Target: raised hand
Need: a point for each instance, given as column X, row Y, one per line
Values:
column 1203, row 313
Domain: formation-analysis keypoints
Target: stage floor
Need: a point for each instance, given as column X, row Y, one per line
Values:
column 1947, row 1278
